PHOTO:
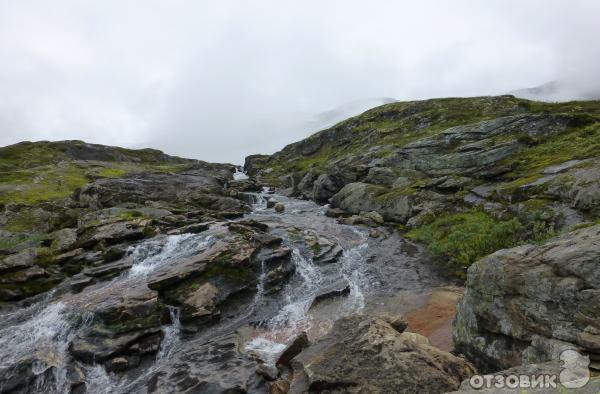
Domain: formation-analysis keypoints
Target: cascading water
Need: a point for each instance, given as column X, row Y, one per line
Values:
column 44, row 330
column 152, row 254
column 299, row 295
column 171, row 333
column 39, row 336
column 239, row 175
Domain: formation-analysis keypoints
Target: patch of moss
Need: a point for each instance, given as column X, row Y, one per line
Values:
column 130, row 215
column 49, row 183
column 573, row 143
column 463, row 238
column 45, row 257
column 315, row 247
column 22, row 222
column 112, row 172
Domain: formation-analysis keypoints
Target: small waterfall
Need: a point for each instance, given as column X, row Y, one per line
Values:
column 293, row 317
column 299, row 297
column 260, row 286
column 98, row 381
column 171, row 337
column 239, row 175
column 353, row 271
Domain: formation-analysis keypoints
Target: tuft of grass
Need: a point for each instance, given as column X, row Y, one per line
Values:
column 112, row 172
column 131, row 215
column 464, row 238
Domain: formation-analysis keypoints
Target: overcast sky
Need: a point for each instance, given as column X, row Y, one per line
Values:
column 218, row 80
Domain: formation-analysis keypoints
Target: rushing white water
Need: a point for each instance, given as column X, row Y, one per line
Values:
column 259, row 200
column 353, row 271
column 311, row 280
column 43, row 340
column 239, row 175
column 152, row 254
column 43, row 332
column 300, row 296
column 171, row 337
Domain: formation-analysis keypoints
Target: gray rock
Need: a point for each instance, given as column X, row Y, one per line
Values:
column 396, row 363
column 384, row 176
column 18, row 261
column 299, row 343
column 529, row 303
column 362, row 197
column 214, row 367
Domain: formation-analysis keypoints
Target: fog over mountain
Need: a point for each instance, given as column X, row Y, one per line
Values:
column 220, row 80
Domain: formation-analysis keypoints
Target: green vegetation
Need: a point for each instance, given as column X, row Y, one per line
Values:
column 465, row 237
column 23, row 222
column 19, row 241
column 131, row 215
column 112, row 172
column 31, row 173
column 394, row 125
column 49, row 183
column 575, row 143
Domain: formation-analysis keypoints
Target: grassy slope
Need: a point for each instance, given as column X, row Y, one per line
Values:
column 31, row 173
column 394, row 125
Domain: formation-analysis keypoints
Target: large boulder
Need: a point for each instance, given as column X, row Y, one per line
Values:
column 363, row 354
column 362, row 197
column 125, row 321
column 529, row 303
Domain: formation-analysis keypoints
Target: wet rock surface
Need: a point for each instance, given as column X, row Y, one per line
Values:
column 167, row 311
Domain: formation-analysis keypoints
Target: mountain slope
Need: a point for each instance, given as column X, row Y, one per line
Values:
column 449, row 169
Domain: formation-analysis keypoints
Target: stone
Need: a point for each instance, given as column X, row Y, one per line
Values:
column 334, row 212
column 63, row 239
column 18, row 261
column 384, row 176
column 269, row 372
column 117, row 364
column 372, row 216
column 395, row 362
column 111, row 234
column 279, row 207
column 292, row 349
column 201, row 302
